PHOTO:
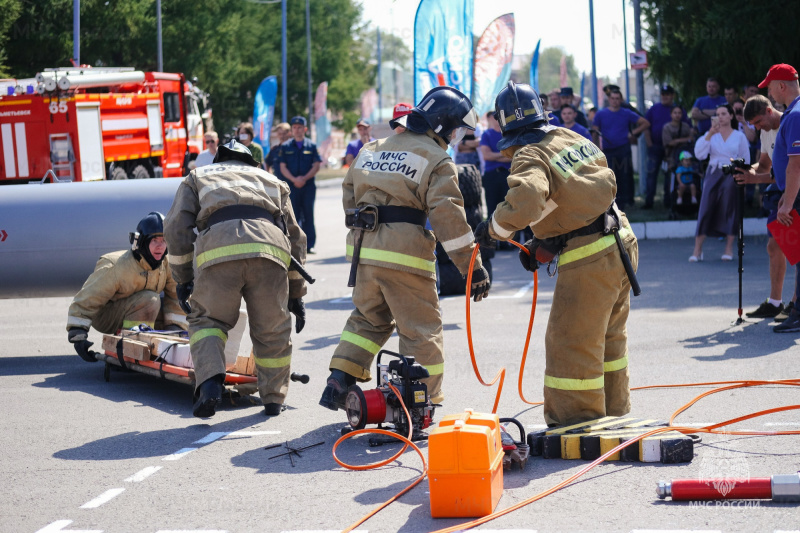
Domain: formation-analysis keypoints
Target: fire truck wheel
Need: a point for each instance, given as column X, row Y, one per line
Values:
column 118, row 173
column 140, row 173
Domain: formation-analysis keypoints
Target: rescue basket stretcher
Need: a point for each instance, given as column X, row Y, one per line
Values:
column 166, row 356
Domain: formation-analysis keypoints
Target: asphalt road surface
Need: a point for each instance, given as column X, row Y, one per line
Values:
column 82, row 454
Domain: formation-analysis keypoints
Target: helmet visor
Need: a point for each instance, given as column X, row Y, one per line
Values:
column 457, row 135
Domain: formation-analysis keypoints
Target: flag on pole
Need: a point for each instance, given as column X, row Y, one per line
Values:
column 493, row 56
column 534, row 76
column 264, row 110
column 323, row 123
column 369, row 102
column 562, row 78
column 443, row 46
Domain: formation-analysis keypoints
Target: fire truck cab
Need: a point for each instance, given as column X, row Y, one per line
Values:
column 88, row 124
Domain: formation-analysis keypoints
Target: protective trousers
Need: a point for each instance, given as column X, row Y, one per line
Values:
column 139, row 308
column 217, row 296
column 384, row 299
column 586, row 371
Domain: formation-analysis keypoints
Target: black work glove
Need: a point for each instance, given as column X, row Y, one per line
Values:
column 480, row 284
column 482, row 237
column 78, row 338
column 184, row 290
column 528, row 260
column 297, row 308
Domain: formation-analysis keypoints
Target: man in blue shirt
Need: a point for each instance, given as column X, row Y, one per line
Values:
column 364, row 130
column 495, row 165
column 784, row 88
column 568, row 97
column 570, row 117
column 658, row 116
column 705, row 107
column 299, row 163
column 619, row 128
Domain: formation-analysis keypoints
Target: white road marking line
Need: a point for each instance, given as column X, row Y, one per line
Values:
column 322, row 531
column 59, row 525
column 179, row 454
column 107, row 496
column 192, row 531
column 216, row 435
column 519, row 294
column 143, row 474
column 676, row 531
column 211, row 437
column 254, row 433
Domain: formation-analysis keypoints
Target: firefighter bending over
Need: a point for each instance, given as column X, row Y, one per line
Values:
column 561, row 186
column 125, row 290
column 247, row 235
column 392, row 187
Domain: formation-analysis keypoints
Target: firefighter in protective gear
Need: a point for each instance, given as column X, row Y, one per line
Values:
column 125, row 290
column 392, row 187
column 247, row 235
column 561, row 186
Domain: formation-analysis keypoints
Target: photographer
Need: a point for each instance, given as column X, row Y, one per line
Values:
column 758, row 111
column 784, row 89
column 718, row 207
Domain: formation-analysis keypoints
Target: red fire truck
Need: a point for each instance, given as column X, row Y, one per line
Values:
column 89, row 124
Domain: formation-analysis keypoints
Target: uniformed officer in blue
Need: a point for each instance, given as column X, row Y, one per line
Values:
column 299, row 162
column 402, row 181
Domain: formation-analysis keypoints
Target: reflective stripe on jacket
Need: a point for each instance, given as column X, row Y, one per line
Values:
column 410, row 170
column 119, row 275
column 209, row 188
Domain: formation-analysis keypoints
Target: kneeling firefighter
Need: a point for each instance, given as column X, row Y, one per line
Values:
column 392, row 187
column 561, row 186
column 125, row 290
column 247, row 238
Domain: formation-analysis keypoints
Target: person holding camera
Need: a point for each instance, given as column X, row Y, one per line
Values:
column 783, row 87
column 723, row 142
column 758, row 111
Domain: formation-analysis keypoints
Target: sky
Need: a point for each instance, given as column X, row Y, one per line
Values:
column 560, row 23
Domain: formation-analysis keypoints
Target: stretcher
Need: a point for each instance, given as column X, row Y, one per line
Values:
column 165, row 355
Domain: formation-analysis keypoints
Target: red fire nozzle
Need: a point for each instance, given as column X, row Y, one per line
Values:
column 780, row 488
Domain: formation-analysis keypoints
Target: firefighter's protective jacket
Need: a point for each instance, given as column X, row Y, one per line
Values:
column 410, row 170
column 119, row 275
column 556, row 186
column 209, row 188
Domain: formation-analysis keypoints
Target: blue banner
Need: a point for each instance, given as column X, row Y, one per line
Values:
column 535, row 68
column 264, row 111
column 443, row 46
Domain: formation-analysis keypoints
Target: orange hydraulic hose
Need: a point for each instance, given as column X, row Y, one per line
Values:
column 406, row 443
column 501, row 374
column 562, row 484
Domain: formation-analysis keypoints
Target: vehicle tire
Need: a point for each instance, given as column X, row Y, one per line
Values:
column 140, row 172
column 469, row 181
column 118, row 173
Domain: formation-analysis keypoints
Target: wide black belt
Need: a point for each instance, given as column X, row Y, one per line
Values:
column 367, row 218
column 252, row 212
column 244, row 212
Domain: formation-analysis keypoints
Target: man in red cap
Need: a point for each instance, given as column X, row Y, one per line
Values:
column 400, row 110
column 783, row 87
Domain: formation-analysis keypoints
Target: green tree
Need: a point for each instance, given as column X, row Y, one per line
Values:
column 229, row 46
column 550, row 70
column 10, row 10
column 735, row 41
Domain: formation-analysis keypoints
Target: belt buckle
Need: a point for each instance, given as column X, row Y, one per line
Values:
column 368, row 210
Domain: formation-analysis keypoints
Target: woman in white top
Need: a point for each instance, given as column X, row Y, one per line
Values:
column 718, row 206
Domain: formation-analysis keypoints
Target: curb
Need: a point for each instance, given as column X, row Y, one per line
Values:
column 665, row 229
column 682, row 229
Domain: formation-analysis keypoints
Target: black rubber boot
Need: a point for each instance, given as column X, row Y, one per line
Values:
column 273, row 409
column 208, row 396
column 336, row 390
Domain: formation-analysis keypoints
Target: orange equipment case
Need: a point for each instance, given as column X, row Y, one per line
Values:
column 465, row 472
